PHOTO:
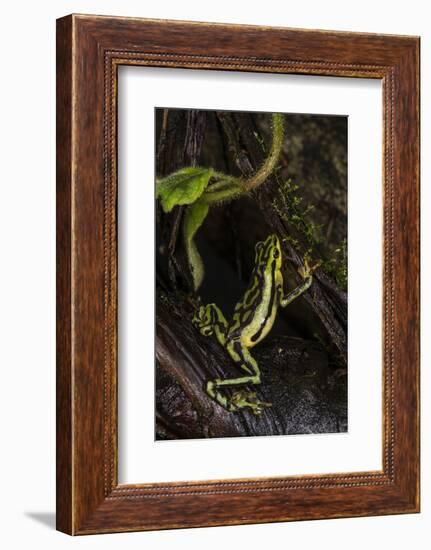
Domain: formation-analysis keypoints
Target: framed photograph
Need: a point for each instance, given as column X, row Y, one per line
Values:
column 237, row 274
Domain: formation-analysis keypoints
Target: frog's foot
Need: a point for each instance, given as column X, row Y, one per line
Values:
column 240, row 399
column 247, row 399
column 307, row 270
column 203, row 320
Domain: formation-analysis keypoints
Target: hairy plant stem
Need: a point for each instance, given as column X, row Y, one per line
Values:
column 230, row 187
column 225, row 188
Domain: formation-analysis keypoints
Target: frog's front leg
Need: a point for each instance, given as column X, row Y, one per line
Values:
column 306, row 272
column 240, row 399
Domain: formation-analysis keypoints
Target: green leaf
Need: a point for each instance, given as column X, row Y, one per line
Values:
column 183, row 187
column 193, row 219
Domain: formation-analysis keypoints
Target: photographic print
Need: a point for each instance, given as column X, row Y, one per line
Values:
column 210, row 228
column 251, row 274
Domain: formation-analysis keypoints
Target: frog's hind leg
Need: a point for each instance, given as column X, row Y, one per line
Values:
column 240, row 399
column 210, row 320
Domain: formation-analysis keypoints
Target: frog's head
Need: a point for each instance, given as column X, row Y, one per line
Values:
column 267, row 252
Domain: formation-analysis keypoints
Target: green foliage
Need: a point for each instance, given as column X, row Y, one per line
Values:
column 337, row 265
column 191, row 186
column 193, row 219
column 182, row 187
column 288, row 206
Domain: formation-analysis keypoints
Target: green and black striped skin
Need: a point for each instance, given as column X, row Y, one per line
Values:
column 253, row 318
column 255, row 314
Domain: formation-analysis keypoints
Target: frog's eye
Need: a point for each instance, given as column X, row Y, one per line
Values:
column 275, row 253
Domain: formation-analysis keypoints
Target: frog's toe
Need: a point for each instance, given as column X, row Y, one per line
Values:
column 242, row 399
column 211, row 389
column 206, row 330
column 304, row 270
column 258, row 407
column 307, row 270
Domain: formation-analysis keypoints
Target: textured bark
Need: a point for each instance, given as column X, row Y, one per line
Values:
column 186, row 127
column 305, row 393
column 328, row 302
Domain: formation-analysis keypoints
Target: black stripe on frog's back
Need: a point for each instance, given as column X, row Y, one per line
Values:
column 253, row 291
column 257, row 276
column 244, row 313
column 274, row 292
column 244, row 310
column 265, row 253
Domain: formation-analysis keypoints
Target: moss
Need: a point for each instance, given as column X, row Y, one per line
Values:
column 288, row 205
column 337, row 265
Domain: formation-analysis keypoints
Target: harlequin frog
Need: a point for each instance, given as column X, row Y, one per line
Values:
column 252, row 320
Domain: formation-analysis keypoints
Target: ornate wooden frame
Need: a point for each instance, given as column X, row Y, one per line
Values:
column 89, row 51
